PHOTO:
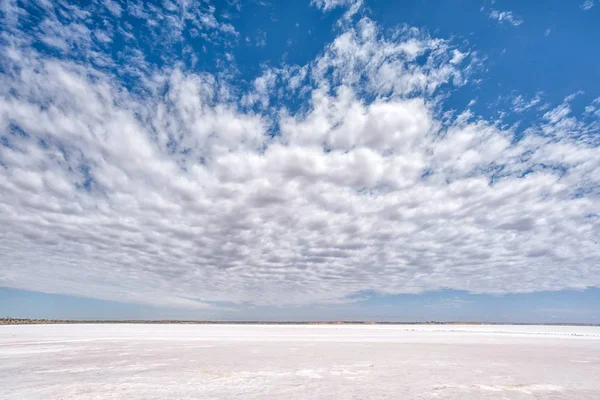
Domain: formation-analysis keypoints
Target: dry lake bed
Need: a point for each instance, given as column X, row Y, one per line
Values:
column 137, row 361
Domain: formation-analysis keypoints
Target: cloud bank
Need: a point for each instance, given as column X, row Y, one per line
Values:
column 131, row 179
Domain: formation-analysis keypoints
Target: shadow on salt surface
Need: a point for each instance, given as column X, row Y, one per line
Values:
column 520, row 387
column 345, row 371
column 22, row 350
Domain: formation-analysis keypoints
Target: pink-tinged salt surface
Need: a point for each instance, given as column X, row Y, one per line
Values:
column 298, row 362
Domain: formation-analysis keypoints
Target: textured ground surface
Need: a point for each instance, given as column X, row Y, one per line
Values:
column 298, row 362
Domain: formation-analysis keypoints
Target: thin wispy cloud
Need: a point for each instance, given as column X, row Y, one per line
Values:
column 505, row 16
column 587, row 5
column 521, row 104
column 352, row 6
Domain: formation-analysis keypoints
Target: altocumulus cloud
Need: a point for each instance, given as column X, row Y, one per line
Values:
column 127, row 179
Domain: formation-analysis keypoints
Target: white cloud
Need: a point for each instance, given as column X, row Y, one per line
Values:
column 261, row 38
column 505, row 16
column 520, row 104
column 327, row 5
column 113, row 6
column 587, row 4
column 352, row 6
column 180, row 195
column 457, row 57
column 263, row 87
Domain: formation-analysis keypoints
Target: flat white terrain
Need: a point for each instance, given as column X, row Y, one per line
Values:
column 298, row 362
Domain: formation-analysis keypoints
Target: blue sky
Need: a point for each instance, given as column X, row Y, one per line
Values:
column 325, row 159
column 446, row 305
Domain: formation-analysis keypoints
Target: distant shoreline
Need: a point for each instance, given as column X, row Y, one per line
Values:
column 30, row 321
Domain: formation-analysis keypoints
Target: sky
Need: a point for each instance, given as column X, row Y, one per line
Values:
column 300, row 160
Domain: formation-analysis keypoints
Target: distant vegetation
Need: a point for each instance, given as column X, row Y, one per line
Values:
column 30, row 321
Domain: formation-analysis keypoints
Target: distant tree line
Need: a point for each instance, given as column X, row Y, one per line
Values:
column 32, row 321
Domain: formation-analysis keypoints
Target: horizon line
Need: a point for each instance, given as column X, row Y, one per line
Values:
column 50, row 321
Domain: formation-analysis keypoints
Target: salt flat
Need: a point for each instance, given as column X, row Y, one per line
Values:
column 299, row 362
